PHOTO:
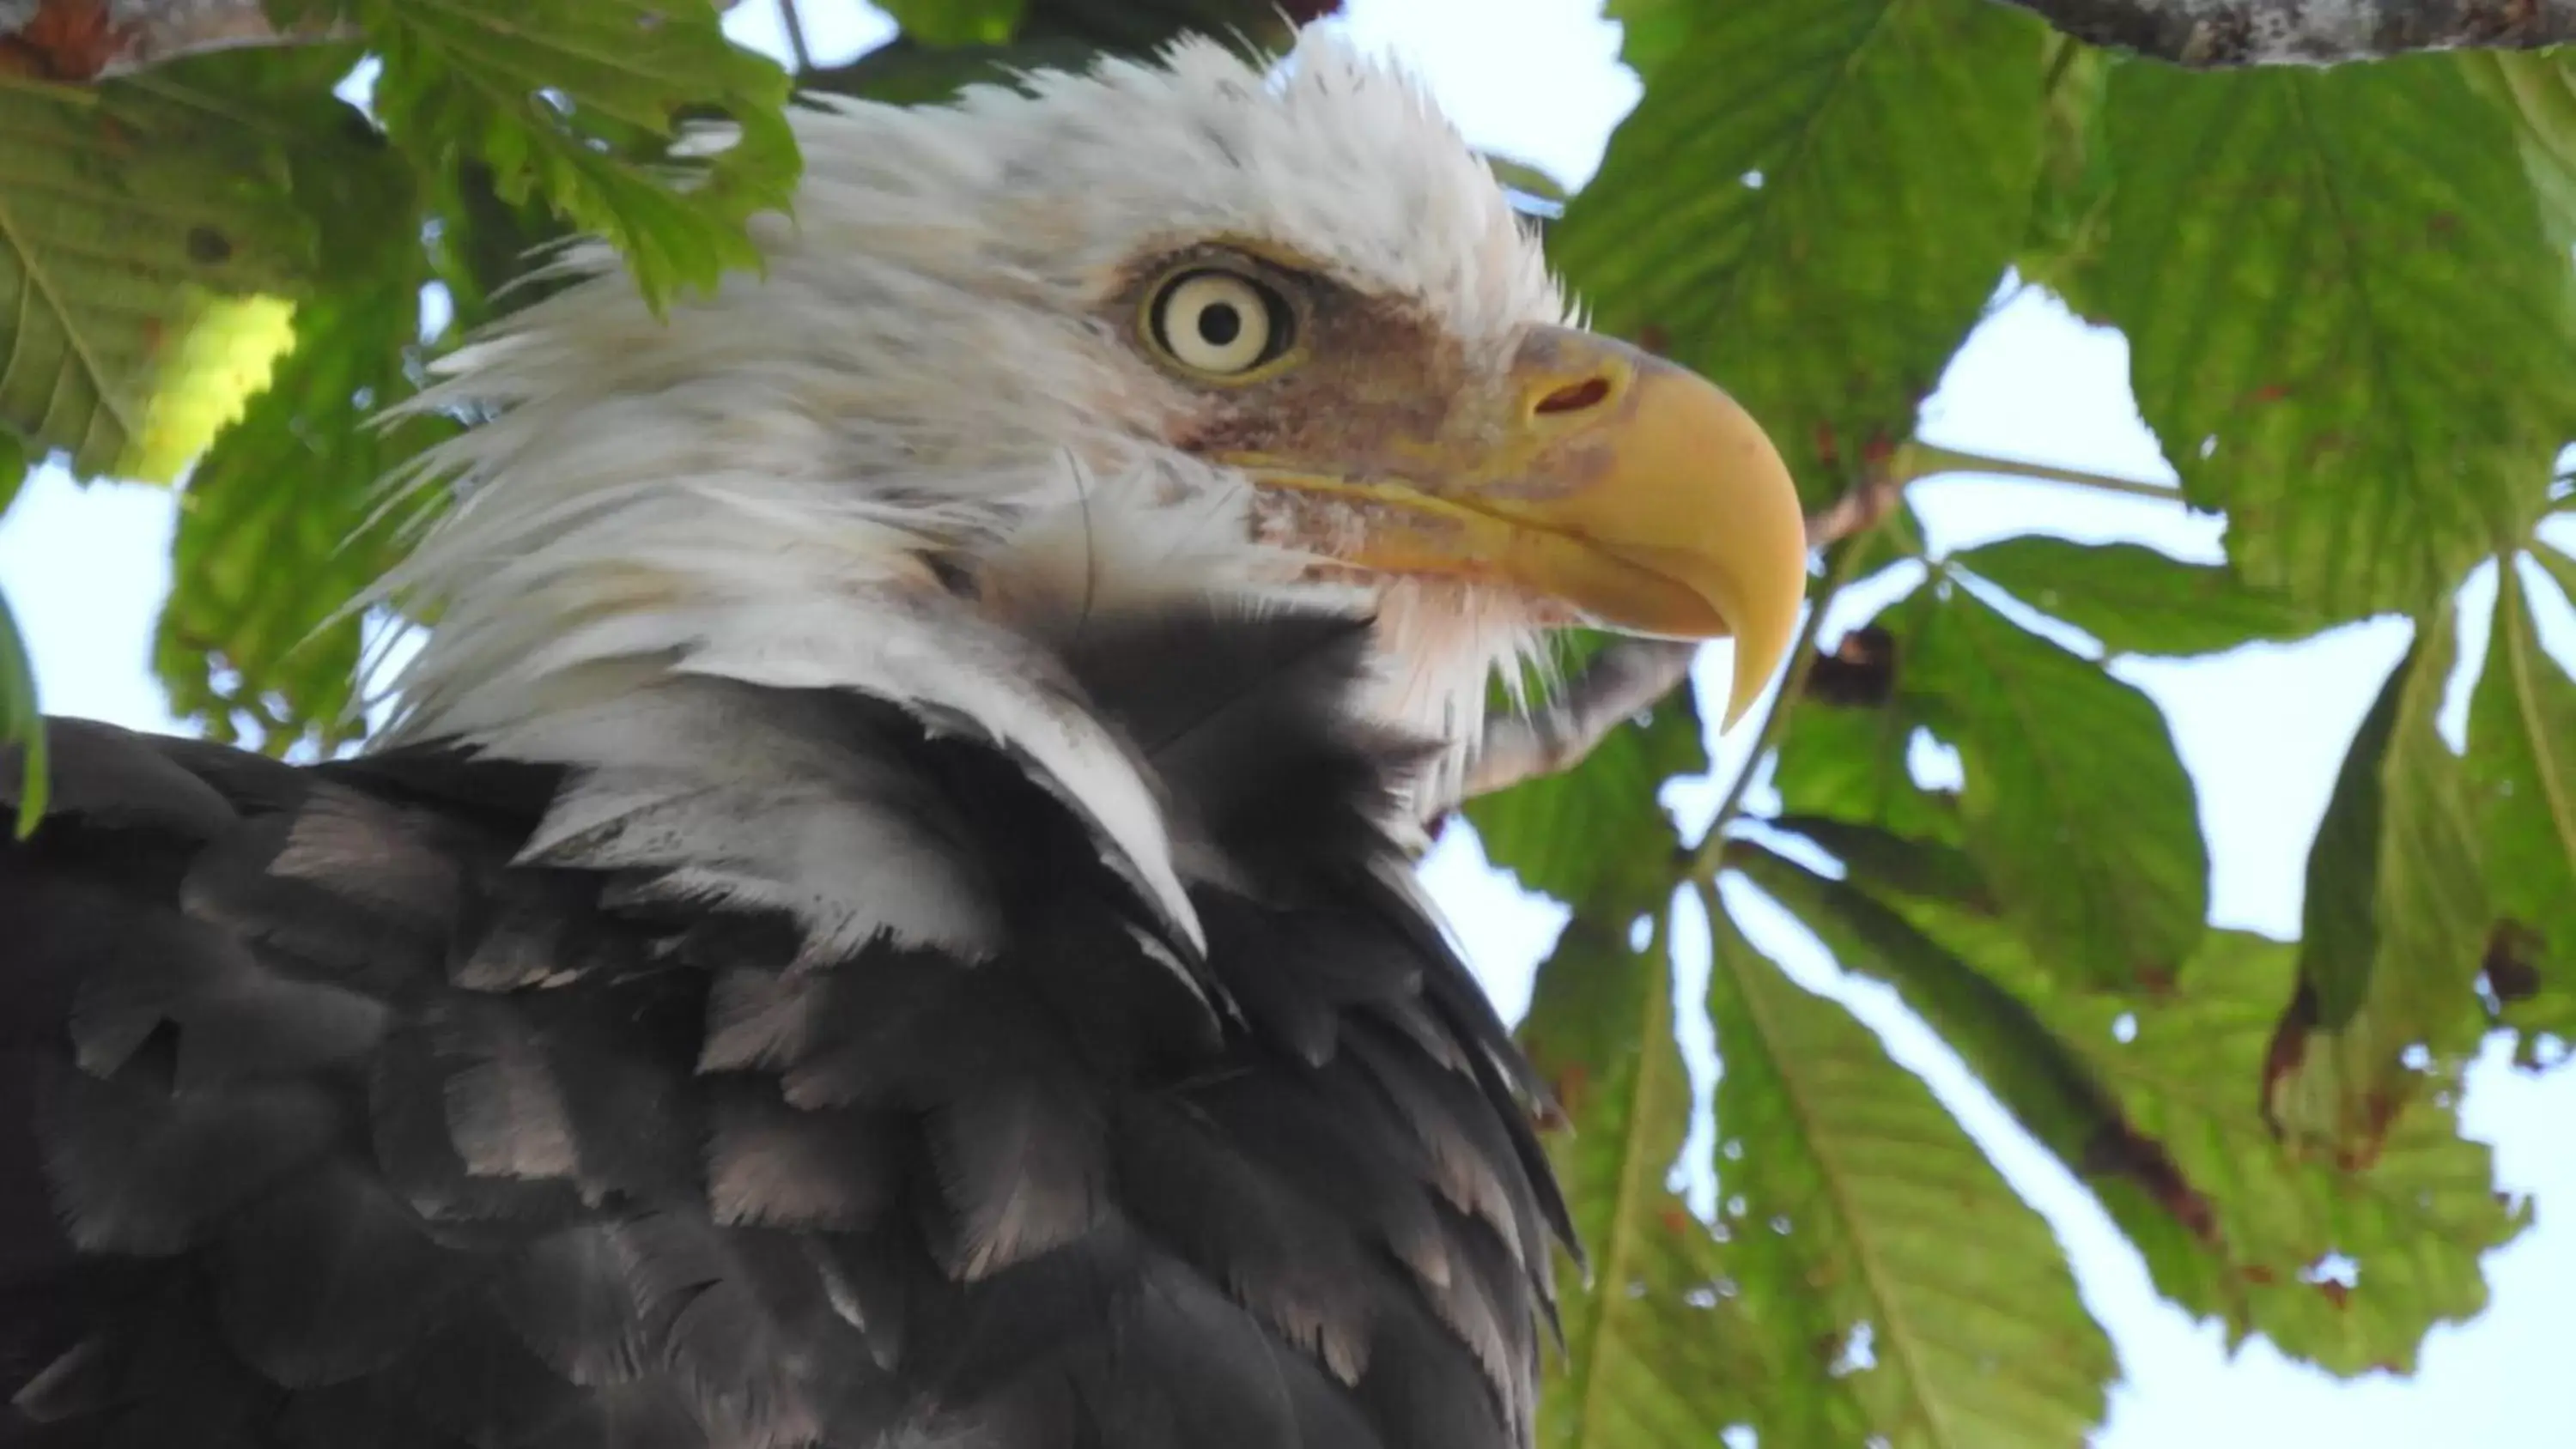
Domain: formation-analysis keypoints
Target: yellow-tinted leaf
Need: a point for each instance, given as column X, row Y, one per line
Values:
column 2395, row 920
column 956, row 22
column 2522, row 774
column 1983, row 996
column 2408, row 1229
column 139, row 222
column 2413, row 1223
column 1659, row 1351
column 275, row 533
column 2345, row 319
column 1847, row 1216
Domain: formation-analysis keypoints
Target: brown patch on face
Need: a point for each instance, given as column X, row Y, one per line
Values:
column 1374, row 393
column 1375, row 375
column 1373, row 380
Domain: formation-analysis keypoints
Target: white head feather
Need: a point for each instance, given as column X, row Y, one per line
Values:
column 756, row 489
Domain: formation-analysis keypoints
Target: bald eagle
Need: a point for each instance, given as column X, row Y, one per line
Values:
column 882, row 916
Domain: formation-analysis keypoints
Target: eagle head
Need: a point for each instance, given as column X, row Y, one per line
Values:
column 1190, row 327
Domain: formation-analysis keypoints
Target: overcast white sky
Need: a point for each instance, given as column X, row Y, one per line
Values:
column 2261, row 729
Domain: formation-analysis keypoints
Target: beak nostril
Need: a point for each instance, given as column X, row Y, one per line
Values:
column 1574, row 396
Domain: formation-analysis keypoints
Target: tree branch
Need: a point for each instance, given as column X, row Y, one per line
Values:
column 2225, row 34
column 1614, row 685
column 86, row 40
column 1631, row 675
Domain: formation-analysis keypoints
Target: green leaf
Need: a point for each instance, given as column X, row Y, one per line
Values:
column 2345, row 319
column 2076, row 805
column 1980, row 989
column 254, row 633
column 907, row 72
column 1850, row 763
column 2069, row 215
column 1650, row 32
column 1525, row 178
column 1844, row 751
column 2537, row 91
column 22, row 721
column 2148, row 1099
column 349, row 189
column 956, row 22
column 571, row 100
column 920, row 68
column 2137, row 600
column 1655, row 1353
column 1815, row 206
column 1844, row 1209
column 483, row 248
column 2559, row 564
column 2184, row 1062
column 2038, row 1076
column 1595, row 837
column 2415, row 1221
column 2521, row 770
column 2394, row 921
column 139, row 223
column 1136, row 27
column 1890, row 860
column 14, row 468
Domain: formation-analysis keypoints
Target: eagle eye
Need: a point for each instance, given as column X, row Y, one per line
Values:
column 1219, row 324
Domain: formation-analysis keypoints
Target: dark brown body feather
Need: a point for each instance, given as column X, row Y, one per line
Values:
column 324, row 1126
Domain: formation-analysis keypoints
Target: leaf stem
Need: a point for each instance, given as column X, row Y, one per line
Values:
column 1635, row 1162
column 2063, row 49
column 1919, row 460
column 2513, row 625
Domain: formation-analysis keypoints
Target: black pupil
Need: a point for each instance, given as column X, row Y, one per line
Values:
column 1220, row 324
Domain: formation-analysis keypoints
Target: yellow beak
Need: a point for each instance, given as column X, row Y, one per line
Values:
column 1627, row 489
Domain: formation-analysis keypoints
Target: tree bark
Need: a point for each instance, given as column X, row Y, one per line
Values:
column 2226, row 34
column 86, row 40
